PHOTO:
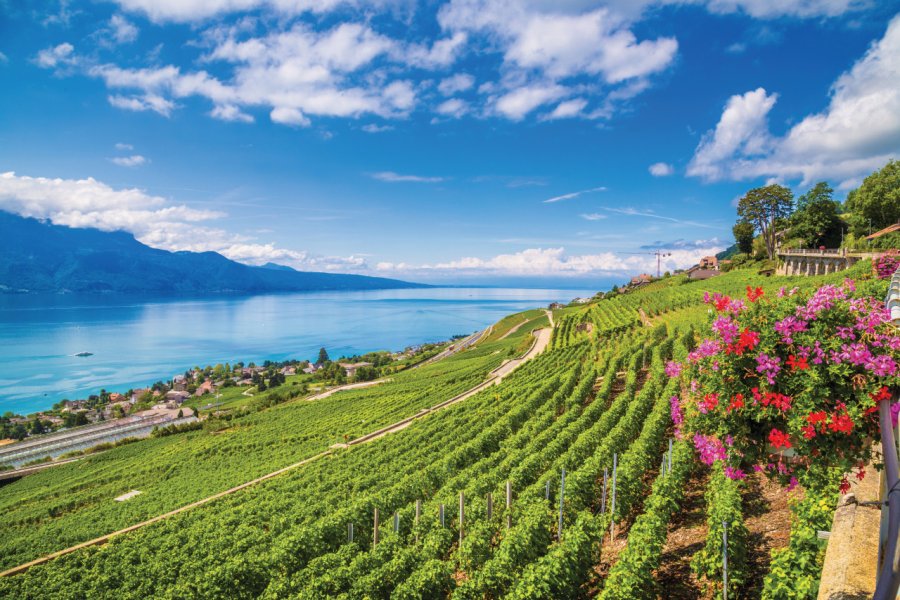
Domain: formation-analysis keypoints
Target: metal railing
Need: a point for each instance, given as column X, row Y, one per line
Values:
column 889, row 570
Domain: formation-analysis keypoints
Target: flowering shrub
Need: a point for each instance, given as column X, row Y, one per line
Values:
column 886, row 265
column 789, row 383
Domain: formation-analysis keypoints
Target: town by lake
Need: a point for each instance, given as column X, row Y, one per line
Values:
column 134, row 341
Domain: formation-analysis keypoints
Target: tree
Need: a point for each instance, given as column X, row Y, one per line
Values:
column 763, row 207
column 816, row 219
column 876, row 203
column 323, row 357
column 743, row 234
column 37, row 427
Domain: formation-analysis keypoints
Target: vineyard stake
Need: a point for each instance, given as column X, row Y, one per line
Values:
column 490, row 506
column 442, row 515
column 508, row 504
column 612, row 510
column 396, row 522
column 562, row 491
column 662, row 467
column 375, row 530
column 724, row 560
column 670, row 454
column 603, row 497
column 418, row 514
column 350, row 531
column 462, row 515
column 547, row 491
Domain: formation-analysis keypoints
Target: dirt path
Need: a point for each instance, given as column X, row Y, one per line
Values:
column 349, row 386
column 542, row 339
column 686, row 537
column 768, row 519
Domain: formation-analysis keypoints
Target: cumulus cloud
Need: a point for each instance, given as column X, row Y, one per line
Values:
column 572, row 195
column 56, row 56
column 456, row 83
column 153, row 220
column 391, row 177
column 375, row 128
column 121, row 30
column 593, row 216
column 135, row 160
column 230, row 112
column 555, row 262
column 454, row 107
column 151, row 102
column 856, row 133
column 661, row 169
column 123, row 146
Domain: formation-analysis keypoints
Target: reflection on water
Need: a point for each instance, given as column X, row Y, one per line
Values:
column 136, row 341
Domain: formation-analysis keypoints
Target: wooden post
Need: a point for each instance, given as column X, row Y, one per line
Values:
column 462, row 515
column 396, row 522
column 418, row 514
column 612, row 510
column 350, row 532
column 508, row 504
column 547, row 491
column 442, row 514
column 724, row 560
column 375, row 530
column 562, row 491
column 490, row 506
column 670, row 454
column 603, row 497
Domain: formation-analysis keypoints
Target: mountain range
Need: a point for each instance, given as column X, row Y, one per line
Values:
column 37, row 256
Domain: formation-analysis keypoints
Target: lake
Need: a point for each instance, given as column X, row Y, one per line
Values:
column 136, row 341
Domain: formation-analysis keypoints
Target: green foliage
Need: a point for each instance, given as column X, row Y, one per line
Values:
column 764, row 207
column 876, row 203
column 743, row 232
column 816, row 221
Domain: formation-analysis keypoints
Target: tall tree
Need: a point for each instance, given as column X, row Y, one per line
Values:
column 743, row 235
column 323, row 357
column 763, row 207
column 876, row 203
column 816, row 219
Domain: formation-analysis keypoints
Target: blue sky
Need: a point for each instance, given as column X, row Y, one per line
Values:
column 457, row 141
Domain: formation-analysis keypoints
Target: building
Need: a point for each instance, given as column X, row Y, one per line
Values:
column 351, row 368
column 709, row 262
column 205, row 388
column 177, row 396
column 885, row 231
column 701, row 274
column 179, row 383
column 310, row 369
column 640, row 280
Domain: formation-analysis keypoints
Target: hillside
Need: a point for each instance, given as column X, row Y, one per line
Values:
column 598, row 396
column 41, row 257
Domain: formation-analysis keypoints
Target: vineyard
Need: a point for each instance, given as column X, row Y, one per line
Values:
column 516, row 492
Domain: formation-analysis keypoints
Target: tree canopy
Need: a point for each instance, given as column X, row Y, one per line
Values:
column 743, row 234
column 876, row 203
column 763, row 207
column 816, row 219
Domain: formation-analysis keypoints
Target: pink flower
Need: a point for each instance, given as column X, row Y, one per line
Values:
column 673, row 369
column 710, row 448
column 726, row 328
column 768, row 366
column 789, row 326
column 734, row 473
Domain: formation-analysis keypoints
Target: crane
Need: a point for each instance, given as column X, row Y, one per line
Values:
column 659, row 254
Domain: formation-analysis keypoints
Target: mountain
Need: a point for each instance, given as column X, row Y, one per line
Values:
column 40, row 257
column 728, row 252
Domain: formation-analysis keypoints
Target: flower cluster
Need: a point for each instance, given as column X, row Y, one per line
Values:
column 790, row 383
column 886, row 265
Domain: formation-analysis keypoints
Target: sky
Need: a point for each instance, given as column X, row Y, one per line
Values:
column 456, row 141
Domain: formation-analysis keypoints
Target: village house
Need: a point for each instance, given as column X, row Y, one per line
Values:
column 177, row 396
column 709, row 262
column 351, row 368
column 555, row 305
column 311, row 369
column 288, row 371
column 640, row 280
column 136, row 394
column 179, row 383
column 206, row 387
column 701, row 274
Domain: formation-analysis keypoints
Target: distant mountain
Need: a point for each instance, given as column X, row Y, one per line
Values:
column 41, row 257
column 728, row 252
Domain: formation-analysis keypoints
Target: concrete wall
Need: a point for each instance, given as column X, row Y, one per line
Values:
column 794, row 264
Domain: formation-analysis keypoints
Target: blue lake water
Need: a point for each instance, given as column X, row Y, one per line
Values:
column 138, row 341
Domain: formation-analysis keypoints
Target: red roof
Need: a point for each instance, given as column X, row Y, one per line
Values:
column 885, row 231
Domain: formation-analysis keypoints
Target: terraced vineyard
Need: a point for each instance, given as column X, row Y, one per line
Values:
column 592, row 409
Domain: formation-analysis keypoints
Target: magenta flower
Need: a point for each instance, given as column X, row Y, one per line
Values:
column 789, row 326
column 726, row 328
column 882, row 365
column 710, row 448
column 734, row 473
column 673, row 369
column 706, row 348
column 768, row 366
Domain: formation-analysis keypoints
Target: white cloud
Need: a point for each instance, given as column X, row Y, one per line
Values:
column 572, row 195
column 122, row 146
column 288, row 116
column 857, row 132
column 568, row 109
column 146, row 102
column 3, row 58
column 741, row 131
column 454, row 107
column 519, row 102
column 456, row 83
column 122, row 31
column 661, row 169
column 375, row 128
column 230, row 112
column 649, row 214
column 152, row 219
column 391, row 177
column 57, row 56
column 545, row 262
column 135, row 160
column 593, row 216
